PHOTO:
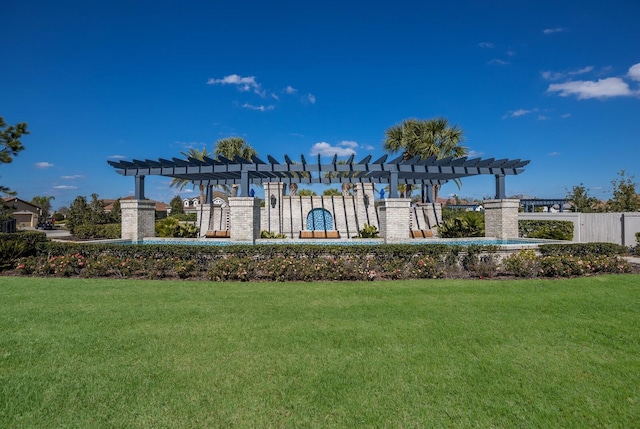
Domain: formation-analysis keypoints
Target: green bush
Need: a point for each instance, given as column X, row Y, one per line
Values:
column 271, row 234
column 525, row 263
column 10, row 251
column 546, row 229
column 312, row 262
column 30, row 240
column 95, row 231
column 369, row 231
column 582, row 249
column 171, row 227
column 637, row 243
column 185, row 217
column 462, row 224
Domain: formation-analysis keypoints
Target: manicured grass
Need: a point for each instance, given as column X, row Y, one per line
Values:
column 439, row 353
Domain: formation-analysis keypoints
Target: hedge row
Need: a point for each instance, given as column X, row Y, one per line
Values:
column 309, row 263
column 548, row 229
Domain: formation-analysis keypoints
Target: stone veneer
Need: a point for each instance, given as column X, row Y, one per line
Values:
column 138, row 219
column 394, row 219
column 245, row 218
column 501, row 218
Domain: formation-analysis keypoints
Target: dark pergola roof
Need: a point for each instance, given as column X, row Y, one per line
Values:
column 223, row 171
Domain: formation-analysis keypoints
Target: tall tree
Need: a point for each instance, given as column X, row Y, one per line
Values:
column 79, row 213
column 426, row 138
column 177, row 206
column 45, row 205
column 581, row 200
column 625, row 196
column 10, row 146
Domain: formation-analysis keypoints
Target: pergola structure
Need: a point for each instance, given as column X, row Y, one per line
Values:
column 222, row 171
column 427, row 172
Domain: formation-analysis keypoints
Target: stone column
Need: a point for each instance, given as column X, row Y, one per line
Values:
column 394, row 219
column 272, row 219
column 433, row 212
column 245, row 218
column 203, row 218
column 501, row 218
column 138, row 219
column 363, row 193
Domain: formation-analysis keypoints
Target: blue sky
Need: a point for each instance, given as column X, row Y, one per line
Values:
column 556, row 82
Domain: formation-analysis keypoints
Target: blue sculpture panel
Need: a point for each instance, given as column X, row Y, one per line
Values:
column 319, row 220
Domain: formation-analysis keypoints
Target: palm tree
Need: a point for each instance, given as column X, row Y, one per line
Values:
column 181, row 183
column 230, row 147
column 426, row 138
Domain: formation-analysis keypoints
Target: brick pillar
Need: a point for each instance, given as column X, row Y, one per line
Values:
column 501, row 218
column 138, row 219
column 245, row 218
column 394, row 219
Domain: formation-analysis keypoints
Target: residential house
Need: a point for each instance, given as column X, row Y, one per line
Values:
column 27, row 215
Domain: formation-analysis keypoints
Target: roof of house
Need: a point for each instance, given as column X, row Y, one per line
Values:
column 16, row 199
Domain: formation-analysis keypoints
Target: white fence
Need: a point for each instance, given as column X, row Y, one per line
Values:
column 619, row 228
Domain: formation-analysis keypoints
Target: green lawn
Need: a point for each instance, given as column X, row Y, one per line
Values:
column 437, row 353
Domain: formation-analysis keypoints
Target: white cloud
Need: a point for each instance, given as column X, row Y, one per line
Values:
column 474, row 154
column 261, row 108
column 554, row 154
column 553, row 30
column 246, row 83
column 542, row 117
column 603, row 88
column 325, row 149
column 583, row 70
column 75, row 176
column 348, row 143
column 290, row 90
column 43, row 164
column 116, row 157
column 517, row 113
column 65, row 187
column 566, row 115
column 634, row 72
column 311, row 98
column 498, row 62
column 486, row 45
column 549, row 75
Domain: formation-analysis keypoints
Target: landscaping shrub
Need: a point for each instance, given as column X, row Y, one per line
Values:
column 462, row 224
column 19, row 244
column 546, row 229
column 271, row 234
column 525, row 263
column 582, row 249
column 312, row 262
column 369, row 231
column 567, row 266
column 171, row 227
column 637, row 243
column 10, row 251
column 97, row 231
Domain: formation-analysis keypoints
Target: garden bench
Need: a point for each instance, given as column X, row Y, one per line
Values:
column 319, row 234
column 420, row 233
column 218, row 234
